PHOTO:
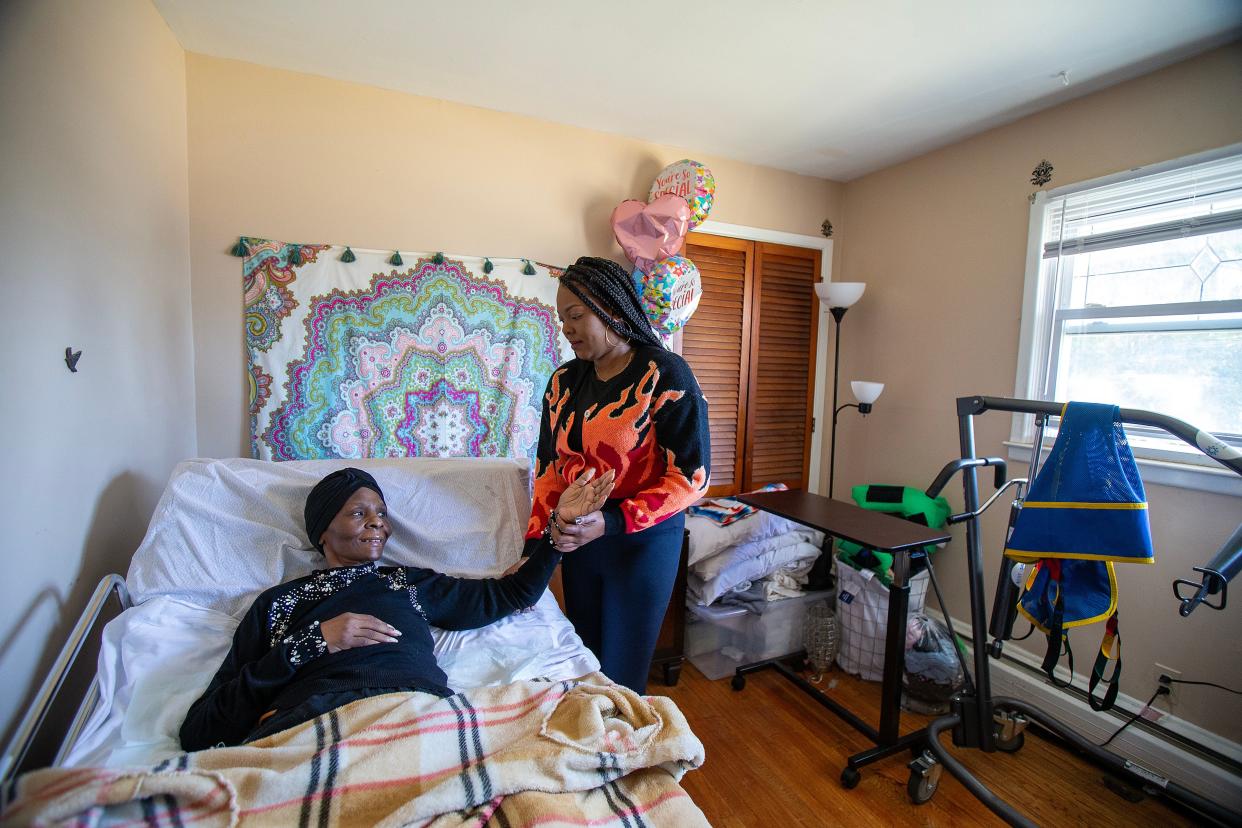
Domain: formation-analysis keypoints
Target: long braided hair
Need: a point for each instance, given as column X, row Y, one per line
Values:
column 593, row 280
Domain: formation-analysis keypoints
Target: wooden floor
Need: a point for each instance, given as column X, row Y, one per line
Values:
column 774, row 757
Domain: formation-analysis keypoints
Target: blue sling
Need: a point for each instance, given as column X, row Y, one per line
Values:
column 1085, row 510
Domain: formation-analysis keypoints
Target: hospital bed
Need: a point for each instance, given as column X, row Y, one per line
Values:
column 225, row 530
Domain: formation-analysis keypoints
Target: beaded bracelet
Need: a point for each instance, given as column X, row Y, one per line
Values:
column 547, row 530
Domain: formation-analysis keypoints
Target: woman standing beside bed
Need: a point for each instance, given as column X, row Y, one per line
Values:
column 627, row 404
column 355, row 629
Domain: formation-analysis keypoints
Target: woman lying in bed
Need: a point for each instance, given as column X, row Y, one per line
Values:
column 356, row 629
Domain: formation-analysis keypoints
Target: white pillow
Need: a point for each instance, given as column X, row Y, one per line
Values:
column 711, row 567
column 752, row 569
column 225, row 530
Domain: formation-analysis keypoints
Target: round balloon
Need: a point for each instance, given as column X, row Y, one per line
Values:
column 670, row 292
column 690, row 180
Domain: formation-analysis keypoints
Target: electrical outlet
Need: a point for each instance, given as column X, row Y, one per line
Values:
column 1159, row 670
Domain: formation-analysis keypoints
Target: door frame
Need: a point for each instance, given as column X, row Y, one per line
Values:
column 824, row 245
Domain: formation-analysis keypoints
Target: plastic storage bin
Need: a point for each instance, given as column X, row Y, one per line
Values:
column 719, row 639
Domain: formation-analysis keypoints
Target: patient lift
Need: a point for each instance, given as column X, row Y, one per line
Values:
column 980, row 720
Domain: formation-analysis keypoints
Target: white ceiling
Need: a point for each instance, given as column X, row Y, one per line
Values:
column 831, row 88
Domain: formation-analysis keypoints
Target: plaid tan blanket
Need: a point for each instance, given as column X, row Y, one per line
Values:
column 581, row 752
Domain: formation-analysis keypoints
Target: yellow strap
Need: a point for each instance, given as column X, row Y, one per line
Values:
column 1075, row 505
column 1026, row 556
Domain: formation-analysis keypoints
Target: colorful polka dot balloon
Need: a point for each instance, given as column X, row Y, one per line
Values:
column 690, row 180
column 670, row 293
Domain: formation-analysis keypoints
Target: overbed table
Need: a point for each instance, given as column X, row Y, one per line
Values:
column 887, row 534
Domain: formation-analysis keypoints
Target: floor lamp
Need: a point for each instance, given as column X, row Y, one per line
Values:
column 838, row 297
column 866, row 393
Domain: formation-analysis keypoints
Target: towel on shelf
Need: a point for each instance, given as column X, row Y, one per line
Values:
column 723, row 511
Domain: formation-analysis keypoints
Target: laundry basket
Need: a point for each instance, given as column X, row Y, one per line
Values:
column 862, row 609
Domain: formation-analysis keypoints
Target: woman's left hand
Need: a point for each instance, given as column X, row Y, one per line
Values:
column 584, row 496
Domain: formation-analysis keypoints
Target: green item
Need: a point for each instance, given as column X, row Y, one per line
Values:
column 904, row 501
column 395, row 259
column 438, row 259
column 487, row 266
column 348, row 256
column 901, row 501
column 861, row 557
column 529, row 269
column 241, row 249
column 295, row 255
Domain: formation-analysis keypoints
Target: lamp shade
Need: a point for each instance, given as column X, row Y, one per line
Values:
column 839, row 294
column 866, row 392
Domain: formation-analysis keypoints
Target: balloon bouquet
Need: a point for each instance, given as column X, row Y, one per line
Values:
column 652, row 235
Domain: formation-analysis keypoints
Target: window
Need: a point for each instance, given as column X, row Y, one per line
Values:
column 1134, row 297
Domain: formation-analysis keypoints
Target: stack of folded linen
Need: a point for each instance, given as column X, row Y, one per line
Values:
column 753, row 554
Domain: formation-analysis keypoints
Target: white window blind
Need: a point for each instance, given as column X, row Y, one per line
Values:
column 1201, row 199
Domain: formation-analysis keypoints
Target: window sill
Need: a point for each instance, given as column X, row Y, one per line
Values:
column 1163, row 472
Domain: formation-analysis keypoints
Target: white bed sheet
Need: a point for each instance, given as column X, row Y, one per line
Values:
column 158, row 657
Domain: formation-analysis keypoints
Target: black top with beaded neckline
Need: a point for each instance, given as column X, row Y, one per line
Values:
column 279, row 658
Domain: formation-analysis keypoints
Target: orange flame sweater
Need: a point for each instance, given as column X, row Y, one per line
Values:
column 648, row 423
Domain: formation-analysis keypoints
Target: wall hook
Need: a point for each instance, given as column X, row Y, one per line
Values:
column 71, row 358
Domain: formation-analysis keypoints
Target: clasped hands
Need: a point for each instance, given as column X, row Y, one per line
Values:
column 577, row 519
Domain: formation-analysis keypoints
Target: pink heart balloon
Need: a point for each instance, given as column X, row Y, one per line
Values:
column 650, row 232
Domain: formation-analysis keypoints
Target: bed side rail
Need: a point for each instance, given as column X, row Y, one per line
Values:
column 41, row 738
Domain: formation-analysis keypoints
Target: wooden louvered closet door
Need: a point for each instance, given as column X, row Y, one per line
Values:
column 782, row 367
column 716, row 343
column 751, row 344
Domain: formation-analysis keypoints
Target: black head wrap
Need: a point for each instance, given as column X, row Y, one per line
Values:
column 329, row 495
column 593, row 280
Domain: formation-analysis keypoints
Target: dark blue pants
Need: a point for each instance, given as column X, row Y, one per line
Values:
column 616, row 593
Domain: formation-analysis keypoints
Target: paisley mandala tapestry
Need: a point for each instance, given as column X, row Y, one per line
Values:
column 439, row 356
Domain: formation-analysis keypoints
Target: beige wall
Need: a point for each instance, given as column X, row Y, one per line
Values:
column 301, row 158
column 941, row 241
column 94, row 230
